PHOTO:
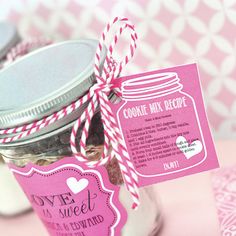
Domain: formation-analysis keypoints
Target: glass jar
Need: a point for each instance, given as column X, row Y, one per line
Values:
column 9, row 189
column 9, row 192
column 65, row 78
column 9, row 38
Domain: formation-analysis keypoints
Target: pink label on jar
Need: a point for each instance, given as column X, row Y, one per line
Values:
column 71, row 199
column 164, row 125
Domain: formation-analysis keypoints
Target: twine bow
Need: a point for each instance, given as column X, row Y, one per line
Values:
column 97, row 96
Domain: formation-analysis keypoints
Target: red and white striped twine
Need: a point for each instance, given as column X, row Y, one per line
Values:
column 25, row 47
column 97, row 96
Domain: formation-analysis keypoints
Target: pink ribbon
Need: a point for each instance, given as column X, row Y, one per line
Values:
column 97, row 96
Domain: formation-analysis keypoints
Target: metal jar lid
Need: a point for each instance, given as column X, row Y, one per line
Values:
column 8, row 38
column 45, row 81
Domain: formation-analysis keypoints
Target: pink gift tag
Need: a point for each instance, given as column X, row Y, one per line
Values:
column 164, row 124
column 224, row 186
column 71, row 199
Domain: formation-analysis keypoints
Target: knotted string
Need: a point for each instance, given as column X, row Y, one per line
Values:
column 97, row 96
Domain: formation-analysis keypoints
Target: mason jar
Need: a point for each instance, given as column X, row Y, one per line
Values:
column 9, row 38
column 9, row 189
column 42, row 83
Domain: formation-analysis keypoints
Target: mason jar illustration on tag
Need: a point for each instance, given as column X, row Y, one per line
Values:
column 160, row 125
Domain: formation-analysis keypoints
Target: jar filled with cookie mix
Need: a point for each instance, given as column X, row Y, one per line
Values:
column 69, row 197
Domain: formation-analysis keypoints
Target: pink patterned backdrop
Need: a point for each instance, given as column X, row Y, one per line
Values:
column 171, row 32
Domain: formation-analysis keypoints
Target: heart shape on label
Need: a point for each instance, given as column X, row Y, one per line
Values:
column 75, row 185
column 189, row 150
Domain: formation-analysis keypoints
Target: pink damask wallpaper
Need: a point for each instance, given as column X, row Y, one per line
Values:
column 171, row 32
